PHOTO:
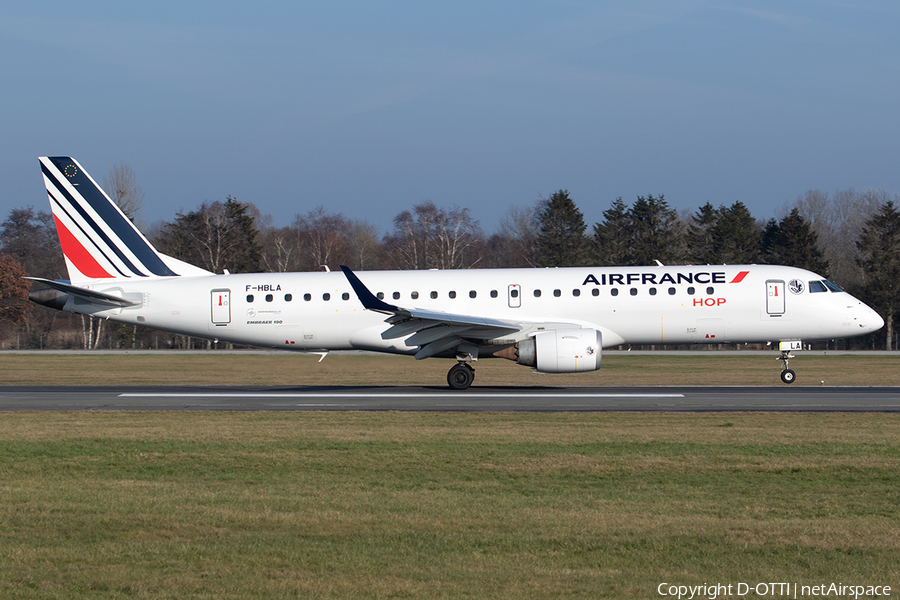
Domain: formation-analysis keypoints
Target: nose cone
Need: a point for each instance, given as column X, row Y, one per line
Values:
column 872, row 321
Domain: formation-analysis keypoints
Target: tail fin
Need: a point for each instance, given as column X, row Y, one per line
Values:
column 97, row 239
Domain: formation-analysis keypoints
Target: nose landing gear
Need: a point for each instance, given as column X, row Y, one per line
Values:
column 787, row 375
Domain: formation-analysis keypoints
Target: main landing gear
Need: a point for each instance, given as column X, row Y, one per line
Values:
column 787, row 375
column 461, row 376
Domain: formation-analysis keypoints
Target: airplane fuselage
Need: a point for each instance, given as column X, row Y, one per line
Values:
column 628, row 305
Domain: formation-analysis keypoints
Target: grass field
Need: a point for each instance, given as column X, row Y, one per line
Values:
column 219, row 368
column 411, row 505
column 388, row 505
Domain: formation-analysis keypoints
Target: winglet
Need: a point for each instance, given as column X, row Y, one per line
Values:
column 368, row 299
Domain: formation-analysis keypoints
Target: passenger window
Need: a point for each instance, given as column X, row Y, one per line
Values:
column 345, row 296
column 452, row 294
column 433, row 295
column 671, row 291
column 595, row 292
column 691, row 291
column 396, row 295
column 710, row 291
column 633, row 291
column 472, row 294
column 614, row 292
column 576, row 292
column 557, row 293
column 288, row 297
column 250, row 296
column 380, row 295
column 326, row 297
column 269, row 297
column 652, row 291
column 307, row 297
column 537, row 293
column 414, row 295
column 493, row 293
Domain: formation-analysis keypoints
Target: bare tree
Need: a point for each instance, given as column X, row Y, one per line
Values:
column 121, row 185
column 14, row 304
column 279, row 250
column 31, row 239
column 364, row 245
column 322, row 238
column 429, row 237
column 405, row 248
column 838, row 221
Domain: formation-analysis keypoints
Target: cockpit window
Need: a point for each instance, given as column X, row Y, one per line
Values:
column 817, row 286
column 823, row 286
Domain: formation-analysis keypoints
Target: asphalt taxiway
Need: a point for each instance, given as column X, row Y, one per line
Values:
column 487, row 399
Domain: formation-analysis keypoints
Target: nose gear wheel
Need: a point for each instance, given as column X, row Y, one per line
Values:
column 787, row 375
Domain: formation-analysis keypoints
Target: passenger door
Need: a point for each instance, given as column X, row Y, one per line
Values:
column 775, row 297
column 220, row 309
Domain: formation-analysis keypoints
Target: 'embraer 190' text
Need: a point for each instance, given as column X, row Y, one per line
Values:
column 654, row 278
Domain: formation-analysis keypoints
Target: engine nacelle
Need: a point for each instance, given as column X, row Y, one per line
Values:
column 562, row 351
column 49, row 297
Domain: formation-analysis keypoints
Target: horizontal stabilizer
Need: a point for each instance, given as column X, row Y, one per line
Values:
column 88, row 295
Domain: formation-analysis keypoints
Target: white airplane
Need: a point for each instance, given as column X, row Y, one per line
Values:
column 553, row 320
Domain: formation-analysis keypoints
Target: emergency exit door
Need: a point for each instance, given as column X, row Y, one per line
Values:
column 775, row 297
column 515, row 295
column 221, row 307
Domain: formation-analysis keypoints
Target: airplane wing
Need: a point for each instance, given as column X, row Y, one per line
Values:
column 88, row 295
column 433, row 331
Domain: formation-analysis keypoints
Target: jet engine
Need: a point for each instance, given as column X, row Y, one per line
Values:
column 561, row 351
column 49, row 297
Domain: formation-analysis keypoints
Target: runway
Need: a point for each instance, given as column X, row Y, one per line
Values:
column 484, row 399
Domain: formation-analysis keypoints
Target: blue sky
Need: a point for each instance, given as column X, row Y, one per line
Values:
column 370, row 107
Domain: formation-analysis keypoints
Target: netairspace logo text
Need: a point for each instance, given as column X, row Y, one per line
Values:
column 771, row 590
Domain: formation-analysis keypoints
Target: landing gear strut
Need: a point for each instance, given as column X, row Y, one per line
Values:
column 461, row 376
column 787, row 375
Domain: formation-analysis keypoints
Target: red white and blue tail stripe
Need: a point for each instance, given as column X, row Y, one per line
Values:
column 98, row 240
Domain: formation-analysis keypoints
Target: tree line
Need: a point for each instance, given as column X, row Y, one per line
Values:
column 850, row 237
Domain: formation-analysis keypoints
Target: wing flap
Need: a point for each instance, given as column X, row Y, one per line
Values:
column 433, row 331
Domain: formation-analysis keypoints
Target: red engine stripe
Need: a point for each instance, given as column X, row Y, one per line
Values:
column 78, row 254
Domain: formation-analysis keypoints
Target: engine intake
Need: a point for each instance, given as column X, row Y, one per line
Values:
column 562, row 351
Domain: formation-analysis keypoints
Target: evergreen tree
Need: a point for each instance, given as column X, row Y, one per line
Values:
column 737, row 235
column 218, row 236
column 723, row 235
column 656, row 232
column 701, row 236
column 792, row 242
column 612, row 237
column 879, row 247
column 561, row 241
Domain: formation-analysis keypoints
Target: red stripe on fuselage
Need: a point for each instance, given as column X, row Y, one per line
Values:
column 739, row 277
column 78, row 254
